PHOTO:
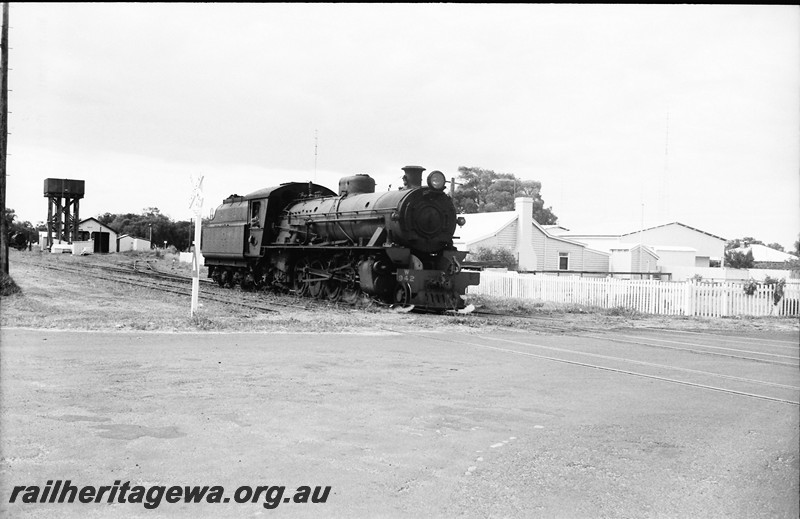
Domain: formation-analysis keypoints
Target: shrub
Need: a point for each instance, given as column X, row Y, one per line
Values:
column 494, row 257
column 779, row 285
column 8, row 286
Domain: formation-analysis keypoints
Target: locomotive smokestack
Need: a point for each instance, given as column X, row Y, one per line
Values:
column 413, row 176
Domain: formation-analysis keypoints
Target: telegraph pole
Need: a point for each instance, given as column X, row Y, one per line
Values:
column 3, row 141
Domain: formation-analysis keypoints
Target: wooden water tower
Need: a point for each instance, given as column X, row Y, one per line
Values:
column 63, row 208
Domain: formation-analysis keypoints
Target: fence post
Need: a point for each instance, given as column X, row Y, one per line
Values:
column 723, row 300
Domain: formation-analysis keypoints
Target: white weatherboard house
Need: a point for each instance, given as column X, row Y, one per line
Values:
column 709, row 247
column 669, row 239
column 677, row 249
column 632, row 257
column 536, row 249
column 126, row 242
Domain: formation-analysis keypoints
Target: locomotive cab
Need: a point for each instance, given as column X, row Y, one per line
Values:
column 258, row 210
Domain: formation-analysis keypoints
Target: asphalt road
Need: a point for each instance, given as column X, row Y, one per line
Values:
column 402, row 425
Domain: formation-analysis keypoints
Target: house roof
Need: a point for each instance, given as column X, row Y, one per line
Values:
column 764, row 253
column 98, row 222
column 555, row 229
column 676, row 223
column 131, row 237
column 480, row 226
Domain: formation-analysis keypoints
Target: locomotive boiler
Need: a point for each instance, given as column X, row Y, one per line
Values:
column 395, row 246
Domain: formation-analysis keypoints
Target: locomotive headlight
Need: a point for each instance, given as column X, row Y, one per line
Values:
column 436, row 180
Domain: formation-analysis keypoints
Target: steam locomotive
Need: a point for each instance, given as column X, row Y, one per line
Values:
column 394, row 246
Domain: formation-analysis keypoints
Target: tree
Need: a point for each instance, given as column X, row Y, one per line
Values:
column 15, row 226
column 106, row 218
column 776, row 246
column 742, row 242
column 739, row 260
column 151, row 225
column 484, row 191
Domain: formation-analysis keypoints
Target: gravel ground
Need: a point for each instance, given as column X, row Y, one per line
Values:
column 69, row 301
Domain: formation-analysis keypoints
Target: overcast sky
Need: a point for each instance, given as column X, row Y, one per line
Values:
column 626, row 114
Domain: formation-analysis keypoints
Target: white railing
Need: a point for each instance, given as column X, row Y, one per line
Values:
column 687, row 298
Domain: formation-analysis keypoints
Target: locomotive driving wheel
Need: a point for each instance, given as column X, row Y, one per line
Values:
column 334, row 288
column 316, row 282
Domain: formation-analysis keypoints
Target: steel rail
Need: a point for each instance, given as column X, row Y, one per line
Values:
column 699, row 352
column 602, row 368
column 712, row 347
column 587, row 332
column 161, row 287
column 644, row 363
column 738, row 338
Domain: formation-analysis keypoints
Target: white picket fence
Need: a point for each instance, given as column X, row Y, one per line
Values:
column 688, row 298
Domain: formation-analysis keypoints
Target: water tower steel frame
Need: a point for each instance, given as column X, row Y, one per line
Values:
column 63, row 208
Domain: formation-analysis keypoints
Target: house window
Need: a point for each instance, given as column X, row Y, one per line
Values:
column 563, row 261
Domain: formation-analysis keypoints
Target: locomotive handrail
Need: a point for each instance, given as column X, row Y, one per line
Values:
column 289, row 229
column 321, row 218
column 339, row 220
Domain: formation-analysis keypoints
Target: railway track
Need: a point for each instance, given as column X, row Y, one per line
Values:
column 142, row 274
column 780, row 358
column 164, row 282
column 551, row 324
column 673, row 374
column 707, row 349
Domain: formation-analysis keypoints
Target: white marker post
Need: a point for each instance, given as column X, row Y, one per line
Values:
column 196, row 205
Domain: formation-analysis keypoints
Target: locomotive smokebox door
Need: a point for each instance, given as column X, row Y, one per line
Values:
column 258, row 209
